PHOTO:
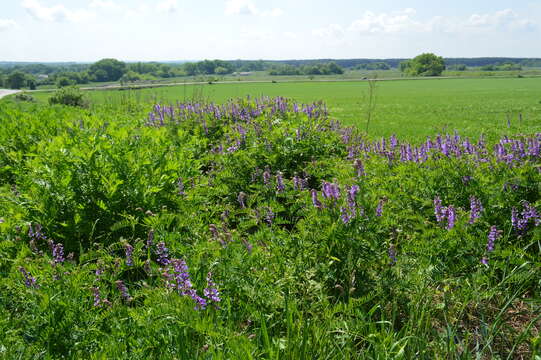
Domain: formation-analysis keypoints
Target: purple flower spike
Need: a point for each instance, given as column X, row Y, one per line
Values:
column 211, row 292
column 163, row 254
column 379, row 209
column 475, row 209
column 438, row 210
column 123, row 290
column 241, row 198
column 359, row 167
column 493, row 235
column 129, row 251
column 58, row 253
column 29, row 280
column 280, row 182
column 451, row 217
column 97, row 298
column 315, row 200
column 150, row 239
column 392, row 254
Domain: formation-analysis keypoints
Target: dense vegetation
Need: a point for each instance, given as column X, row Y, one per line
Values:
column 30, row 75
column 261, row 229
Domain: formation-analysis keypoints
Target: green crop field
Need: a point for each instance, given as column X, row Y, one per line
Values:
column 410, row 108
column 173, row 223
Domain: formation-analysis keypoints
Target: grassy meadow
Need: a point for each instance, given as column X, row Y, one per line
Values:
column 409, row 108
column 176, row 223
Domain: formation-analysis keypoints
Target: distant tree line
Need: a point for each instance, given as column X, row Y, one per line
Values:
column 330, row 68
column 30, row 75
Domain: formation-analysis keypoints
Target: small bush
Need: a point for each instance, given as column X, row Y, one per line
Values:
column 70, row 96
column 24, row 97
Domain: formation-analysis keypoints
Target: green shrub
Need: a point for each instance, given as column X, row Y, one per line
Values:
column 70, row 96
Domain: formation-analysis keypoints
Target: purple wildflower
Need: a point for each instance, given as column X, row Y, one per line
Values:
column 129, row 251
column 266, row 176
column 346, row 215
column 475, row 209
column 439, row 211
column 379, row 209
column 359, row 167
column 515, row 219
column 330, row 190
column 150, row 239
column 29, row 280
column 392, row 254
column 280, row 182
column 493, row 235
column 163, row 253
column 36, row 232
column 184, row 285
column 297, row 183
column 211, row 292
column 451, row 216
column 269, row 217
column 97, row 298
column 351, row 195
column 241, row 198
column 123, row 290
column 58, row 253
column 315, row 200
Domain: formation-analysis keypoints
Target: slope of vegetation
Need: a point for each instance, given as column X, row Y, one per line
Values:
column 261, row 228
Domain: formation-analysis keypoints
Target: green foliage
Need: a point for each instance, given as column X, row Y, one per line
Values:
column 16, row 80
column 305, row 285
column 426, row 64
column 70, row 96
column 316, row 69
column 107, row 70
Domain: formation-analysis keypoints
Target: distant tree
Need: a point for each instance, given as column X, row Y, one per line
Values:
column 107, row 70
column 426, row 64
column 64, row 81
column 31, row 83
column 130, row 76
column 16, row 80
column 221, row 70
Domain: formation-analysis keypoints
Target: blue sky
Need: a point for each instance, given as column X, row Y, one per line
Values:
column 88, row 30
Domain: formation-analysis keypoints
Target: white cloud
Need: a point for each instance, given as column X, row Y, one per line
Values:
column 500, row 19
column 169, row 6
column 332, row 31
column 371, row 23
column 56, row 13
column 247, row 7
column 6, row 24
column 291, row 35
column 405, row 22
column 104, row 4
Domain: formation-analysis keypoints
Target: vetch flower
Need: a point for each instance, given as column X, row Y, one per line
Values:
column 475, row 209
column 129, row 251
column 451, row 217
column 392, row 254
column 438, row 210
column 123, row 290
column 315, row 200
column 163, row 253
column 241, row 198
column 379, row 209
column 280, row 182
column 29, row 280
column 211, row 291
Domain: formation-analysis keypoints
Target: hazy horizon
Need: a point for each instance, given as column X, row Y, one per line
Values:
column 171, row 30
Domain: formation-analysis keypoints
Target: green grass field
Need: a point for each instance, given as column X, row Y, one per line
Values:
column 409, row 108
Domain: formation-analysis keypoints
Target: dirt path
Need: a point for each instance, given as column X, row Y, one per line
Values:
column 5, row 92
